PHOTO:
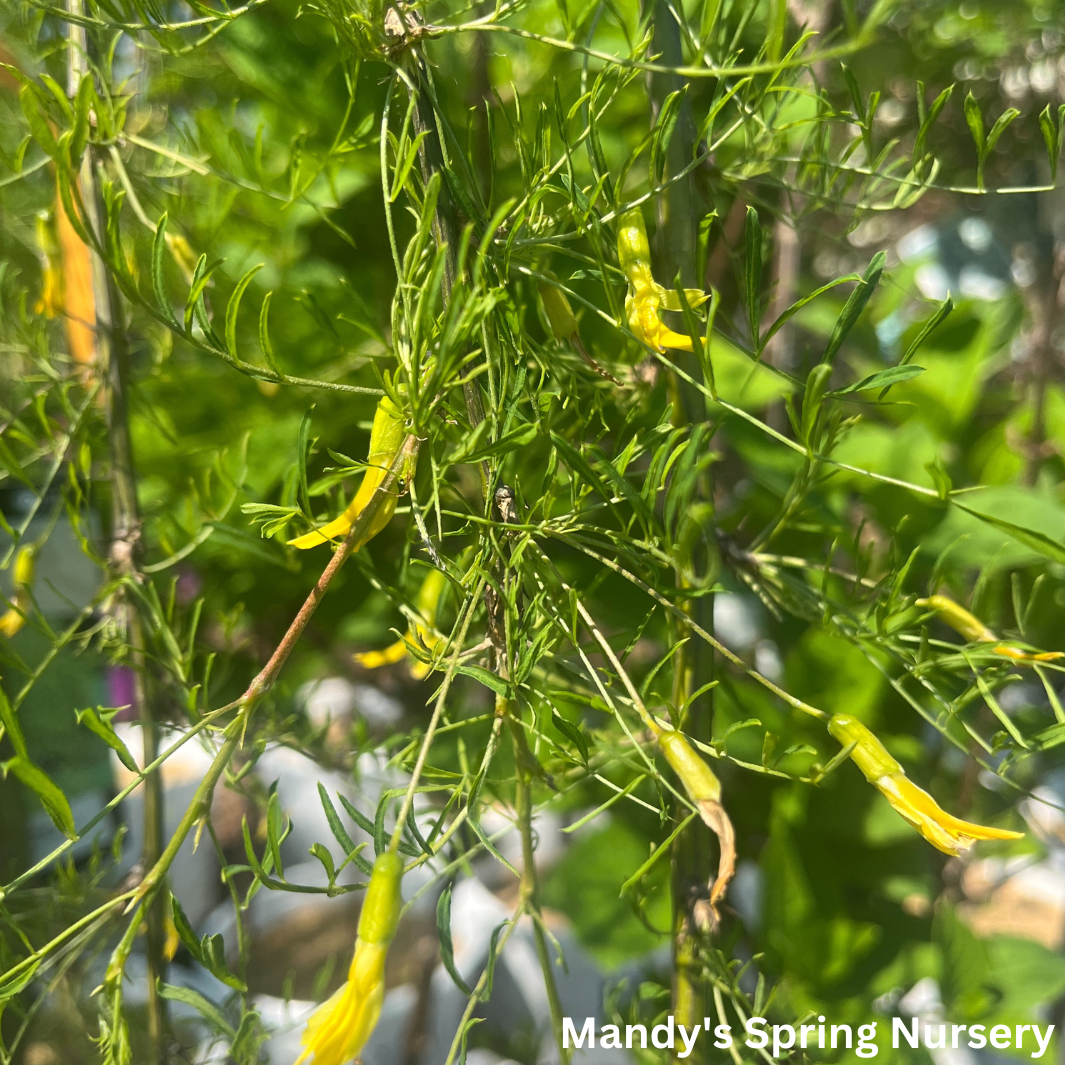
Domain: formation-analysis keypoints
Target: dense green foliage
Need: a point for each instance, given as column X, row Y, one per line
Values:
column 295, row 209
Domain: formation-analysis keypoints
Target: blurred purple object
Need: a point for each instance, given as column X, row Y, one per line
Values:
column 120, row 691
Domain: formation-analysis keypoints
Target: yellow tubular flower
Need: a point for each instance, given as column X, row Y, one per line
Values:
column 975, row 631
column 338, row 1030
column 944, row 831
column 422, row 631
column 385, row 440
column 15, row 616
column 646, row 297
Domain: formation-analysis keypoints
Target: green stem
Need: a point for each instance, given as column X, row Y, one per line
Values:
column 694, row 663
column 530, row 894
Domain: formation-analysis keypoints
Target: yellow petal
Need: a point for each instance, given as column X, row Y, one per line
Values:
column 340, row 527
column 671, row 301
column 339, row 1029
column 10, row 622
column 387, row 656
column 944, row 831
column 1026, row 656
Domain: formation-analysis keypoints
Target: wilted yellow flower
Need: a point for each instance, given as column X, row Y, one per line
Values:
column 944, row 831
column 15, row 616
column 338, row 1030
column 422, row 631
column 386, row 437
column 975, row 631
column 704, row 789
column 646, row 297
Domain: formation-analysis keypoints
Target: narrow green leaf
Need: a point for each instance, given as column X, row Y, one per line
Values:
column 662, row 849
column 1037, row 541
column 776, row 25
column 37, row 120
column 490, row 680
column 321, row 852
column 275, row 831
column 996, row 709
column 303, row 441
column 399, row 179
column 264, row 336
column 512, row 441
column 184, row 928
column 206, row 1009
column 573, row 733
column 336, row 826
column 443, row 935
column 854, row 306
column 1001, row 125
column 1051, row 140
column 79, row 136
column 928, row 120
column 974, row 119
column 12, row 985
column 489, row 846
column 882, row 379
column 9, row 720
column 233, row 307
column 929, row 327
column 95, row 722
column 663, row 133
column 51, row 796
column 158, row 281
column 798, row 306
column 753, row 274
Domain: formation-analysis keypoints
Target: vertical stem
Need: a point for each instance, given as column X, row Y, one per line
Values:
column 678, row 214
column 530, row 887
column 112, row 358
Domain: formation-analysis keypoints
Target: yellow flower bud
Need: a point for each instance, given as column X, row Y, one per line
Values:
column 386, row 437
column 25, row 565
column 338, row 1030
column 944, row 831
column 12, row 620
column 958, row 618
